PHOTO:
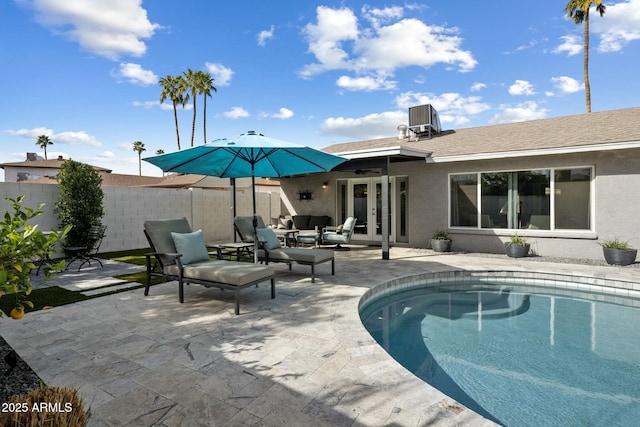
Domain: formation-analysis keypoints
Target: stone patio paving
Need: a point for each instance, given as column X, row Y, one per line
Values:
column 303, row 358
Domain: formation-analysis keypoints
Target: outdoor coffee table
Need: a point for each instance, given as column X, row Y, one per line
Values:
column 289, row 236
column 240, row 249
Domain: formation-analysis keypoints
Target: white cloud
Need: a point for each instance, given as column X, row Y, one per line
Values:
column 521, row 87
column 137, row 75
column 265, row 35
column 339, row 42
column 451, row 107
column 107, row 155
column 379, row 16
column 236, row 113
column 221, row 74
column 334, row 27
column 283, row 113
column 110, row 29
column 526, row 111
column 152, row 104
column 619, row 26
column 567, row 84
column 372, row 126
column 71, row 138
column 369, row 83
column 477, row 86
column 571, row 45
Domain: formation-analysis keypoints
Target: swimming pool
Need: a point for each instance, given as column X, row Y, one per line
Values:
column 518, row 348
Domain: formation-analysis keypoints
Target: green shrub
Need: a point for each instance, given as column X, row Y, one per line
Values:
column 441, row 235
column 80, row 202
column 615, row 243
column 518, row 240
column 21, row 244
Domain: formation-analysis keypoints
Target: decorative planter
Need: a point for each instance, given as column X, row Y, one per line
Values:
column 516, row 250
column 439, row 245
column 620, row 256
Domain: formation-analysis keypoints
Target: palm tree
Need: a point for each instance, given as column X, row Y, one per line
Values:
column 43, row 141
column 578, row 11
column 193, row 84
column 159, row 151
column 173, row 88
column 206, row 84
column 138, row 147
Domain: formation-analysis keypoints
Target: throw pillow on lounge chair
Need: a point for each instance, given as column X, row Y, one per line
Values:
column 191, row 246
column 272, row 250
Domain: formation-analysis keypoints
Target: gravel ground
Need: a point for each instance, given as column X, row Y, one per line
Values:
column 17, row 376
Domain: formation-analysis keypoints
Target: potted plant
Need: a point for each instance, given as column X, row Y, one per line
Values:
column 440, row 241
column 618, row 252
column 517, row 246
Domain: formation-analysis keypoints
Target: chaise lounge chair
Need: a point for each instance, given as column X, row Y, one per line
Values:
column 271, row 250
column 181, row 255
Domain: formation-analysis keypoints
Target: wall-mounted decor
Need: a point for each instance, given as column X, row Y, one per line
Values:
column 305, row 195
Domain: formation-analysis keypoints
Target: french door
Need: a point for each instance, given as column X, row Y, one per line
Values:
column 366, row 206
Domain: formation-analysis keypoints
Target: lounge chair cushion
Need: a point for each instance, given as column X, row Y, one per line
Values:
column 233, row 273
column 268, row 238
column 191, row 246
column 306, row 256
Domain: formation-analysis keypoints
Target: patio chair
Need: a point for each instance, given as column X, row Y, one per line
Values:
column 89, row 250
column 271, row 249
column 181, row 255
column 339, row 235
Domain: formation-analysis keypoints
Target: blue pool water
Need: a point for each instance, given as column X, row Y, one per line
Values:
column 531, row 358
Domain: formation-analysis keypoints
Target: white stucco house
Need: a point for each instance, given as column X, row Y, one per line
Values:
column 563, row 182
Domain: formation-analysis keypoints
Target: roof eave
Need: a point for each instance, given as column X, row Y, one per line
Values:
column 537, row 152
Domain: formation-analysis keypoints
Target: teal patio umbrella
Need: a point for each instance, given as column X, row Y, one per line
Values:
column 248, row 155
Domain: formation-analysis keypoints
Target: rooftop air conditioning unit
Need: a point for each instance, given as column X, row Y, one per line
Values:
column 423, row 119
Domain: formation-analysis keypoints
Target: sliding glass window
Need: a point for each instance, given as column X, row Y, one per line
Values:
column 522, row 199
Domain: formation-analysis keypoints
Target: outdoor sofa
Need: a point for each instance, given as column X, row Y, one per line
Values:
column 271, row 250
column 181, row 255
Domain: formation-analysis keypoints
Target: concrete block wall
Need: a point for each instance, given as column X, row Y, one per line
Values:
column 126, row 209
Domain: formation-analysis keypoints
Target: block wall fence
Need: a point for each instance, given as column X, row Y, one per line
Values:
column 127, row 208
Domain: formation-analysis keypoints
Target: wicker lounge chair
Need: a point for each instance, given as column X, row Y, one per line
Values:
column 181, row 255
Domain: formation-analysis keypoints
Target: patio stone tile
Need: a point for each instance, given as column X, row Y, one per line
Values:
column 169, row 379
column 302, row 359
column 139, row 407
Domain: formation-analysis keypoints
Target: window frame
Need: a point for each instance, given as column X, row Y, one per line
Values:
column 478, row 229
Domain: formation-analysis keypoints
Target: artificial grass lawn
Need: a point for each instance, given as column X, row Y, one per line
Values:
column 43, row 298
column 54, row 296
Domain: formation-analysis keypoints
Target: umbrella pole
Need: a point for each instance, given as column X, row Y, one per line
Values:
column 232, row 182
column 255, row 217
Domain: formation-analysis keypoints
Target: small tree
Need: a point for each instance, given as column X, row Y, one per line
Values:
column 80, row 200
column 20, row 245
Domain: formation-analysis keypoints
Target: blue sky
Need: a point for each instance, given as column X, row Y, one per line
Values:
column 85, row 73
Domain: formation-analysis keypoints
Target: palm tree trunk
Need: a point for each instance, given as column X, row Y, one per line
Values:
column 204, row 111
column 193, row 123
column 175, row 118
column 140, row 164
column 587, row 85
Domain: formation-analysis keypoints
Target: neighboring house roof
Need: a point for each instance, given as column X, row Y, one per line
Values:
column 169, row 181
column 594, row 131
column 48, row 164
